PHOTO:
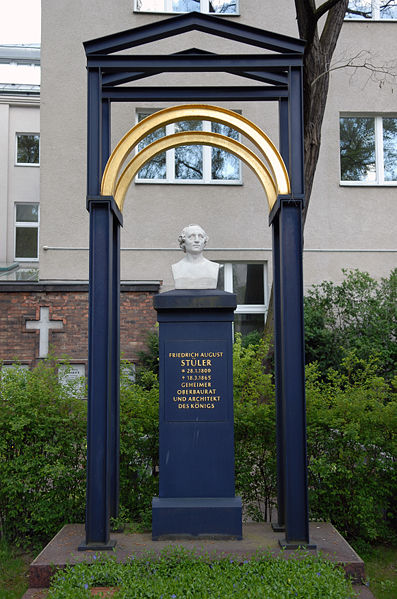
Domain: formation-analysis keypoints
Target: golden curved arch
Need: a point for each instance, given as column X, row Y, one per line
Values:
column 200, row 138
column 195, row 112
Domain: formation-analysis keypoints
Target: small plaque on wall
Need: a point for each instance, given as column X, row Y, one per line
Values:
column 73, row 375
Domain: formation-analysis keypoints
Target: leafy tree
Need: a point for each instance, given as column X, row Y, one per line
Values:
column 359, row 314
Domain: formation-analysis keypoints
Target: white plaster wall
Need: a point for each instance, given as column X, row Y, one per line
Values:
column 234, row 216
column 353, row 217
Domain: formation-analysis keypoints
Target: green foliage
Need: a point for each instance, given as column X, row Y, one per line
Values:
column 381, row 569
column 42, row 454
column 13, row 579
column 359, row 314
column 352, row 425
column 254, row 430
column 138, row 449
column 352, row 421
column 148, row 359
column 179, row 573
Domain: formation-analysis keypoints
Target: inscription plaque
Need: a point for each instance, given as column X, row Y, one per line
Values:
column 196, row 382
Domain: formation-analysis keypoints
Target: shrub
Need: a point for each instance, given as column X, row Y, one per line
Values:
column 139, row 449
column 42, row 454
column 352, row 466
column 352, row 422
column 359, row 314
column 254, row 430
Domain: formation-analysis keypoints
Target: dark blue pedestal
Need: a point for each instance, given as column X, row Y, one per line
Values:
column 196, row 487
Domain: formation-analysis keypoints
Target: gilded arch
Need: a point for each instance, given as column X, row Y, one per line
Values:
column 274, row 182
column 194, row 137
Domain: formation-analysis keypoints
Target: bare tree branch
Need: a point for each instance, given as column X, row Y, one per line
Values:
column 363, row 60
column 323, row 8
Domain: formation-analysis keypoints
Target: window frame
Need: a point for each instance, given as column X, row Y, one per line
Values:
column 30, row 164
column 379, row 161
column 26, row 225
column 204, row 8
column 376, row 15
column 170, row 178
column 228, row 286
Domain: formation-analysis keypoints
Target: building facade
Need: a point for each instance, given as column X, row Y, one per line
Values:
column 19, row 159
column 352, row 217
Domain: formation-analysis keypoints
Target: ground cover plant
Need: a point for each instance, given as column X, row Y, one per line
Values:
column 13, row 571
column 380, row 568
column 181, row 574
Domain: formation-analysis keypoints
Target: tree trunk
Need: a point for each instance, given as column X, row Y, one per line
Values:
column 317, row 59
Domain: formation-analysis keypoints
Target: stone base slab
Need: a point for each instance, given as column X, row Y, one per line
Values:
column 63, row 549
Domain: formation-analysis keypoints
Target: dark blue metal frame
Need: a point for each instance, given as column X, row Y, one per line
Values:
column 281, row 78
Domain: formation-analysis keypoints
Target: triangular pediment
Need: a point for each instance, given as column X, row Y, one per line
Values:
column 194, row 21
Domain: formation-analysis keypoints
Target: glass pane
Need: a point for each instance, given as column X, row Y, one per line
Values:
column 26, row 242
column 157, row 167
column 220, row 6
column 359, row 9
column 28, row 149
column 248, row 283
column 28, row 213
column 224, row 165
column 247, row 323
column 188, row 159
column 390, row 148
column 185, row 5
column 357, row 149
column 150, row 5
column 388, row 10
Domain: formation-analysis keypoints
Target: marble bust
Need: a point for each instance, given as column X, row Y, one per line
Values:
column 194, row 271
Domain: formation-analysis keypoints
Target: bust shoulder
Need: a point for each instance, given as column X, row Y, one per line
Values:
column 200, row 275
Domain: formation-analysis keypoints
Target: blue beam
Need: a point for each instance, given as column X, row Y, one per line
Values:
column 280, row 525
column 293, row 371
column 94, row 132
column 232, row 63
column 115, row 375
column 99, row 375
column 295, row 132
column 183, row 94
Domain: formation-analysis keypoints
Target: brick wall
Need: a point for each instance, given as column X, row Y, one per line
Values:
column 21, row 302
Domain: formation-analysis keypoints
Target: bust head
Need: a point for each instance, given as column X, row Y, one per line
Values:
column 193, row 239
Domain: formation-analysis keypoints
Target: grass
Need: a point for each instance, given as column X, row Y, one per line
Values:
column 178, row 573
column 381, row 570
column 13, row 572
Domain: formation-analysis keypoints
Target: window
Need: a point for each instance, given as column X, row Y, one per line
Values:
column 190, row 164
column 249, row 283
column 368, row 150
column 372, row 9
column 223, row 7
column 26, row 232
column 28, row 148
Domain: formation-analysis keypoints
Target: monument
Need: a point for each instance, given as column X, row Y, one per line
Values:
column 196, row 481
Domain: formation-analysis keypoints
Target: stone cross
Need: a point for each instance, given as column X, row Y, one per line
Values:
column 44, row 325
